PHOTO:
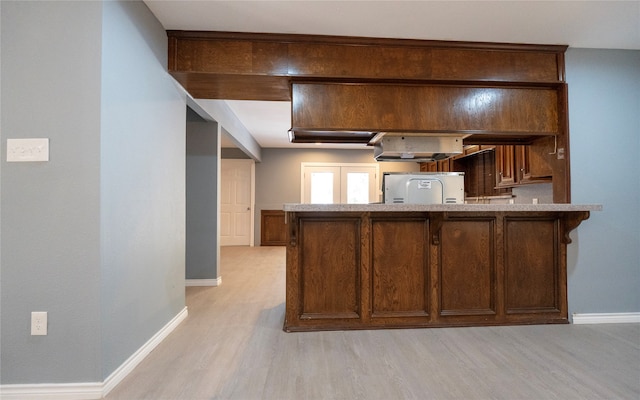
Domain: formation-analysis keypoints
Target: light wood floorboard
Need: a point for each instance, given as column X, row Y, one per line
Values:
column 232, row 346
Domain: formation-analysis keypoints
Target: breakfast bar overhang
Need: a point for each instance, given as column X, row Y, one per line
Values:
column 373, row 266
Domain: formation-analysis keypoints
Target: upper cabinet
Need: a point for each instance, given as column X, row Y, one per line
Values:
column 506, row 174
column 520, row 165
column 494, row 170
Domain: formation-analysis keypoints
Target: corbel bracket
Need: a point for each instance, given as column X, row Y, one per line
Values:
column 571, row 222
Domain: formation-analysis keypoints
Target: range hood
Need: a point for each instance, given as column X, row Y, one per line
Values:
column 415, row 147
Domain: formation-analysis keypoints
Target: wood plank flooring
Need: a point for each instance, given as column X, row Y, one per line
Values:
column 231, row 346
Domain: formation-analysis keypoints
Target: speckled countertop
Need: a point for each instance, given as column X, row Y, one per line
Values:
column 439, row 207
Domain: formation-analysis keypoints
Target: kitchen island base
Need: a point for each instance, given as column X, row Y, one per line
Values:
column 362, row 269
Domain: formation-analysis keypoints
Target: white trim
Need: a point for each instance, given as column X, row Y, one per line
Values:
column 123, row 370
column 91, row 390
column 52, row 391
column 203, row 282
column 607, row 318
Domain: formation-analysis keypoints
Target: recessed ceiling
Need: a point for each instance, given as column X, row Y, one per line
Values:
column 585, row 24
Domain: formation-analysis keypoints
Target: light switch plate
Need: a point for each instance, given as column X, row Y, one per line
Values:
column 27, row 150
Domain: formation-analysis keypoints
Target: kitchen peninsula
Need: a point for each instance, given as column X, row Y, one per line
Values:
column 408, row 265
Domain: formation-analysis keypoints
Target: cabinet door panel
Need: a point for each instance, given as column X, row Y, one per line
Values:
column 467, row 274
column 273, row 231
column 330, row 265
column 399, row 268
column 531, row 265
column 505, row 165
column 429, row 166
column 535, row 160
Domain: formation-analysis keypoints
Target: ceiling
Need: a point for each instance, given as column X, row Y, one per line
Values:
column 583, row 24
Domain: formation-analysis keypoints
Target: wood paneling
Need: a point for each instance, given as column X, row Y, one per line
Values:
column 329, row 268
column 306, row 56
column 531, row 265
column 400, row 268
column 424, row 108
column 495, row 66
column 467, row 279
column 273, row 230
column 354, row 61
column 235, row 87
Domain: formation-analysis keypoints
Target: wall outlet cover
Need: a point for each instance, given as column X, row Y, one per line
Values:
column 38, row 323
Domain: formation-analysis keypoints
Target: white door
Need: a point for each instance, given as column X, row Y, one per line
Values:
column 358, row 184
column 321, row 184
column 236, row 202
column 339, row 183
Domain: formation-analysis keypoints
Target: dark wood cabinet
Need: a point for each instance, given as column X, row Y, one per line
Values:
column 273, row 231
column 444, row 165
column 506, row 174
column 478, row 162
column 356, row 270
column 521, row 164
column 480, row 172
column 429, row 166
column 492, row 170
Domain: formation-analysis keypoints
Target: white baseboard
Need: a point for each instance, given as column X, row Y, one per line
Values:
column 203, row 282
column 91, row 390
column 53, row 391
column 606, row 318
column 123, row 370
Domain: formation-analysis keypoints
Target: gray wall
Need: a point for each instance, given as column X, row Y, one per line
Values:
column 604, row 116
column 95, row 236
column 143, row 183
column 234, row 153
column 278, row 174
column 202, row 256
column 51, row 210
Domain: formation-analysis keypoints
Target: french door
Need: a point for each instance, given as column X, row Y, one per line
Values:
column 330, row 183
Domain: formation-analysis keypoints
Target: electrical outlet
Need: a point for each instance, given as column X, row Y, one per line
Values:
column 38, row 323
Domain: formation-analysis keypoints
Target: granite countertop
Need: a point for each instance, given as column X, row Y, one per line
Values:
column 293, row 207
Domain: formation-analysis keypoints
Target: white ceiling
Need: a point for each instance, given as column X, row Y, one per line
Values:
column 586, row 24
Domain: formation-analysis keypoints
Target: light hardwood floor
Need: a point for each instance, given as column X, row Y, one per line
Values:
column 231, row 346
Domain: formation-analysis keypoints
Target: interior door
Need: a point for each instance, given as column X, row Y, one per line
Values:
column 236, row 202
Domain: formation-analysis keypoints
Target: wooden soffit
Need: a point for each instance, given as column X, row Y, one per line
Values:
column 500, row 114
column 249, row 66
